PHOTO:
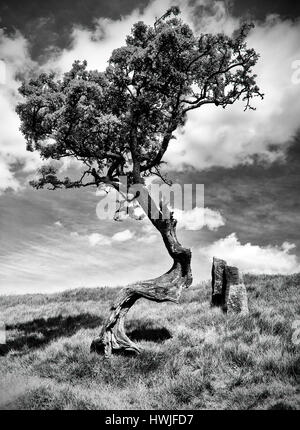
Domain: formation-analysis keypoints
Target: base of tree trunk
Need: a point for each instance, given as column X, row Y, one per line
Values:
column 167, row 287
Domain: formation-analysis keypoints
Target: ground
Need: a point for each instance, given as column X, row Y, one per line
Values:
column 194, row 357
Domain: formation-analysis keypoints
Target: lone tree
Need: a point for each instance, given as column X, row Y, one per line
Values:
column 120, row 122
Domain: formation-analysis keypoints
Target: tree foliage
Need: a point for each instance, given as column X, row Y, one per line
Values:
column 121, row 121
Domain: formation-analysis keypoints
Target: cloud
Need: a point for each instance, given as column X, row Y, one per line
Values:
column 148, row 239
column 101, row 239
column 15, row 59
column 123, row 236
column 58, row 224
column 148, row 233
column 7, row 179
column 253, row 258
column 96, row 238
column 197, row 218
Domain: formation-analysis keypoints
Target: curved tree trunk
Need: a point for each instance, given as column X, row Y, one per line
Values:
column 166, row 287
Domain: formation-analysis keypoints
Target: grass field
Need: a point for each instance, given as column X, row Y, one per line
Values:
column 194, row 356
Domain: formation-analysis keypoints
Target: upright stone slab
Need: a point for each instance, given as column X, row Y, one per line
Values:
column 218, row 282
column 236, row 301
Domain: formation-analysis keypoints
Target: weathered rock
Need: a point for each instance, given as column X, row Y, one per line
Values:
column 228, row 288
column 236, row 300
column 218, row 282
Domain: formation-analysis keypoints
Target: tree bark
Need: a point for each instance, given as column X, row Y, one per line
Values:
column 166, row 287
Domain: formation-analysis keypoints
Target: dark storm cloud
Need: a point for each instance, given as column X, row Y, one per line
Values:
column 49, row 23
column 259, row 9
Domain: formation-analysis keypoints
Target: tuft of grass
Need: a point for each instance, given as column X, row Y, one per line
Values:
column 194, row 356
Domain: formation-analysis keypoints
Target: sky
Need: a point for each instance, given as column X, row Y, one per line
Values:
column 247, row 161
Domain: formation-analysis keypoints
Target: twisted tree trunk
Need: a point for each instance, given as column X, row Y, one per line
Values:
column 166, row 287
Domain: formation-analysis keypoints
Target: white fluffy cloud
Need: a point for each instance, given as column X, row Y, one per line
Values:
column 96, row 238
column 7, row 179
column 253, row 258
column 197, row 218
column 101, row 239
column 148, row 239
column 123, row 236
column 148, row 233
column 15, row 59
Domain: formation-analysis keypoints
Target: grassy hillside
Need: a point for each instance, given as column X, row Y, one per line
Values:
column 194, row 356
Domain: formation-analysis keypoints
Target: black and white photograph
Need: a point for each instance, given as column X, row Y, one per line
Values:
column 149, row 208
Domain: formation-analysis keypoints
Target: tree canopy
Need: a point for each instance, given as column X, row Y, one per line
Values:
column 121, row 121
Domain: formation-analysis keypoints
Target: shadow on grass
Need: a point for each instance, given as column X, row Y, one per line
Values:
column 139, row 330
column 39, row 332
column 142, row 332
